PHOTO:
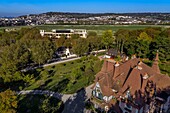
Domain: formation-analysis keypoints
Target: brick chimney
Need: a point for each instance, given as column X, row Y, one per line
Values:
column 155, row 65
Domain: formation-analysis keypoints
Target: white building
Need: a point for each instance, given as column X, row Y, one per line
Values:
column 67, row 32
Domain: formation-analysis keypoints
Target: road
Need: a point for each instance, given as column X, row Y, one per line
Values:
column 51, row 64
column 59, row 62
column 64, row 59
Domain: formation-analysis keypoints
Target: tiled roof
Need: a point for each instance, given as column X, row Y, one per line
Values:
column 132, row 74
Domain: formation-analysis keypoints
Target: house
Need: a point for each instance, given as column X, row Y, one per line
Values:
column 131, row 87
column 63, row 51
column 111, row 53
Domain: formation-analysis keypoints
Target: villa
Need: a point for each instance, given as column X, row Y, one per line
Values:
column 131, row 86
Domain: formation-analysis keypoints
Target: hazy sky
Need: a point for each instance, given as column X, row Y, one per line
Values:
column 20, row 7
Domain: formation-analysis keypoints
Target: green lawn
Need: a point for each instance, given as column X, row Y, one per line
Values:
column 34, row 103
column 67, row 77
column 98, row 28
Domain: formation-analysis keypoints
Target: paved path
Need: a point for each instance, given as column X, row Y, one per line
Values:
column 59, row 62
column 63, row 97
column 74, row 103
column 51, row 64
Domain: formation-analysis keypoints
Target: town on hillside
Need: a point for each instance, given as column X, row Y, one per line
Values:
column 61, row 18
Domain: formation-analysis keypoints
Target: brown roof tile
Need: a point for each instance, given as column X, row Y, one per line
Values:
column 133, row 75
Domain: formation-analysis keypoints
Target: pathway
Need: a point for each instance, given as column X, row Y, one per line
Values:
column 63, row 97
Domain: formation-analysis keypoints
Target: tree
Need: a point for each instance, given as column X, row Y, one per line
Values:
column 122, row 35
column 8, row 102
column 76, row 72
column 8, row 38
column 32, row 33
column 94, row 41
column 41, row 50
column 143, row 42
column 107, row 38
column 91, row 34
column 81, row 47
column 10, row 59
column 51, row 105
column 60, row 42
column 75, row 36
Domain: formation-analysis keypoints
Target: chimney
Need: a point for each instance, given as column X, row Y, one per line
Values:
column 117, row 64
column 155, row 65
column 133, row 56
column 116, row 70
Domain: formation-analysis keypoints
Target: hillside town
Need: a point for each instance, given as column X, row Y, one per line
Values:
column 87, row 19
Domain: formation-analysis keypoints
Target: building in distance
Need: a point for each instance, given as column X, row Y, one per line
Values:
column 57, row 33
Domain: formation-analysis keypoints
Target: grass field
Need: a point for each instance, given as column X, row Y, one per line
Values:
column 98, row 28
column 67, row 77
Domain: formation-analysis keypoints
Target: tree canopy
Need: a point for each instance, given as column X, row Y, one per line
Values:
column 8, row 102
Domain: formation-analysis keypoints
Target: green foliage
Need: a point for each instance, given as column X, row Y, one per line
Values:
column 107, row 38
column 49, row 107
column 41, row 51
column 91, row 34
column 165, row 68
column 8, row 102
column 27, row 47
column 29, row 79
column 122, row 36
column 145, row 42
column 39, row 104
column 31, row 33
column 95, row 42
column 75, row 73
column 8, row 38
column 80, row 47
column 75, row 36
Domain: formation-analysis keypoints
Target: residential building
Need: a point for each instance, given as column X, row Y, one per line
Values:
column 66, row 32
column 131, row 86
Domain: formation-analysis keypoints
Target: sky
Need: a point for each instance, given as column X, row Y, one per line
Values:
column 22, row 7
